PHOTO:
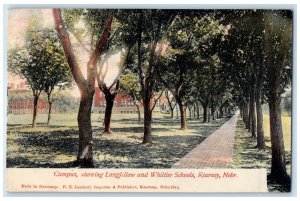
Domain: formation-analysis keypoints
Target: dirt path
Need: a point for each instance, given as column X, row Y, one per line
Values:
column 215, row 151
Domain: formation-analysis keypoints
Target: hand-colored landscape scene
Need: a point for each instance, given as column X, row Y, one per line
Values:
column 151, row 88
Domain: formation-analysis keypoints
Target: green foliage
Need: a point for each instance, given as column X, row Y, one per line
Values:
column 41, row 61
column 86, row 24
column 287, row 102
column 247, row 46
column 129, row 84
column 190, row 64
column 64, row 102
column 19, row 96
column 279, row 42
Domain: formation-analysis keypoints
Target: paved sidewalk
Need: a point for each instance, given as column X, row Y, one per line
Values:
column 215, row 151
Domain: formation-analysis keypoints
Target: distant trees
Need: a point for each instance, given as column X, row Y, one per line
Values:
column 129, row 84
column 287, row 102
column 191, row 42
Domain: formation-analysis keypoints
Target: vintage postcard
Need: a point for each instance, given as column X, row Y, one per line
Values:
column 149, row 100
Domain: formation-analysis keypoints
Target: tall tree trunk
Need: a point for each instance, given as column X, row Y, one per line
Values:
column 50, row 107
column 190, row 113
column 197, row 111
column 49, row 112
column 221, row 112
column 247, row 116
column 86, row 86
column 278, row 168
column 138, row 111
column 147, row 118
column 183, row 120
column 108, row 111
column 35, row 108
column 204, row 113
column 182, row 109
column 241, row 111
column 172, row 112
column 260, row 128
column 167, row 95
column 250, row 117
column 275, row 67
column 212, row 110
column 253, row 112
column 208, row 114
column 85, row 152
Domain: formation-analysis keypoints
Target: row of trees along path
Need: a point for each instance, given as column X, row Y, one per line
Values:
column 214, row 59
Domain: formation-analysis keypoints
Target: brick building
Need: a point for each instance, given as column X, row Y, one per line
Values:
column 122, row 103
column 20, row 98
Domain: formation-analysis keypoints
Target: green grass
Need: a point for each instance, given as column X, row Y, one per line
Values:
column 286, row 128
column 246, row 155
column 56, row 145
column 70, row 119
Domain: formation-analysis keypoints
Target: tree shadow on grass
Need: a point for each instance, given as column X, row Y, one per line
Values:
column 162, row 153
column 121, row 149
column 22, row 162
column 132, row 129
column 41, row 149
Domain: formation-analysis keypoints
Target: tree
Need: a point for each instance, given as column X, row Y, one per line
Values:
column 111, row 91
column 151, row 29
column 262, row 60
column 57, row 69
column 86, row 86
column 248, row 67
column 189, row 41
column 278, row 44
column 129, row 84
column 21, row 62
column 119, row 43
column 287, row 102
column 171, row 101
column 42, row 63
column 174, row 72
column 64, row 101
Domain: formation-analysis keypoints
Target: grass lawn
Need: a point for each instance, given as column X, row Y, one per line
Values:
column 56, row 145
column 286, row 128
column 246, row 155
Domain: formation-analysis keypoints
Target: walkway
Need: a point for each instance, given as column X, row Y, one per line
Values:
column 215, row 151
